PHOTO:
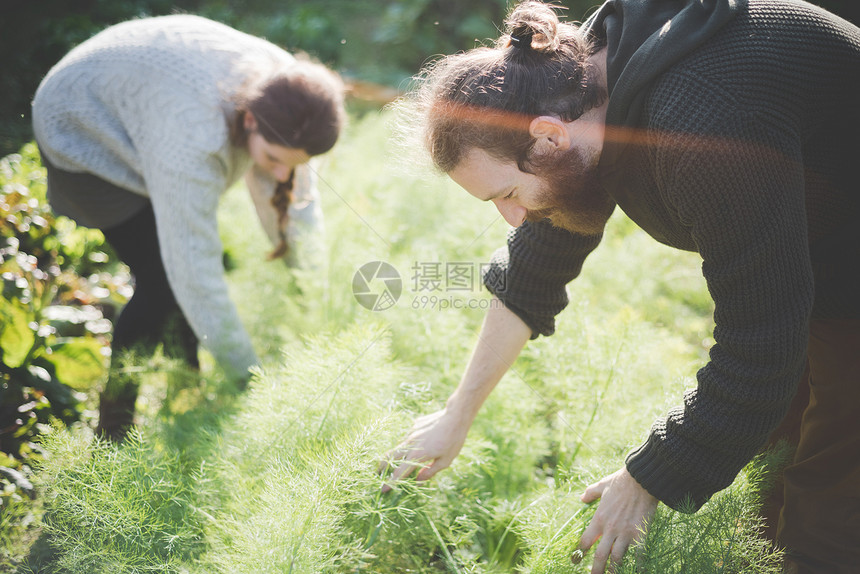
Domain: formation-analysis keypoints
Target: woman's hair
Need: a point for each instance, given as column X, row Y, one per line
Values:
column 487, row 97
column 281, row 200
column 299, row 106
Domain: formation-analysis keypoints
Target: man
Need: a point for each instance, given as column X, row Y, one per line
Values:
column 726, row 127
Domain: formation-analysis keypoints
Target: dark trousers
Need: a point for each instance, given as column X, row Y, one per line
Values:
column 815, row 513
column 150, row 318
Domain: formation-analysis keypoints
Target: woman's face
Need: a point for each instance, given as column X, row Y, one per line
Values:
column 275, row 159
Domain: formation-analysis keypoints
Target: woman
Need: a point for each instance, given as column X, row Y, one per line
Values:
column 142, row 128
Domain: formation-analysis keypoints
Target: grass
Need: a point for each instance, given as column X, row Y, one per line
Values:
column 281, row 478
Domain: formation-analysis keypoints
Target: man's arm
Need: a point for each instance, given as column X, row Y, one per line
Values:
column 436, row 439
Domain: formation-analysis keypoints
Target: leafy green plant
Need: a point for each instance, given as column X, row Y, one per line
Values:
column 129, row 508
column 288, row 484
column 58, row 286
column 723, row 537
column 282, row 477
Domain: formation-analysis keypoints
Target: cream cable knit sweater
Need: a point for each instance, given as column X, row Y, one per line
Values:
column 145, row 105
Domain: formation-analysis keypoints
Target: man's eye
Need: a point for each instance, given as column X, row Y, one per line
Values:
column 510, row 195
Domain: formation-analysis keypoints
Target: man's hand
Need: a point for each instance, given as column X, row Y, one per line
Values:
column 431, row 445
column 436, row 439
column 622, row 517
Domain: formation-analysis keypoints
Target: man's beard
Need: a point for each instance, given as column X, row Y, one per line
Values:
column 572, row 197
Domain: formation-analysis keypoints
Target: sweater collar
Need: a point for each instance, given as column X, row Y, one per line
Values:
column 644, row 38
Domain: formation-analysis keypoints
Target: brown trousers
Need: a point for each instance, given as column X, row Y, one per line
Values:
column 815, row 512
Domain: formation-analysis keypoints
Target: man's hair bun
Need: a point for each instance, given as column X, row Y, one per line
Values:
column 533, row 25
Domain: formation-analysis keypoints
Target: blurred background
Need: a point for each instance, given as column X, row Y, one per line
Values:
column 377, row 44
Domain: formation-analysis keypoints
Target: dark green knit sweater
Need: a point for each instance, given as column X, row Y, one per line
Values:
column 733, row 128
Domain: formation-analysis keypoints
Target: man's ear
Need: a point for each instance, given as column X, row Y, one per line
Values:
column 550, row 134
column 250, row 122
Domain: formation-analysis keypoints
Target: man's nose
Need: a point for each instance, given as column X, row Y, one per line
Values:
column 513, row 213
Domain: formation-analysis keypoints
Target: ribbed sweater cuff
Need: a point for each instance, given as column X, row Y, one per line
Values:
column 674, row 489
column 494, row 281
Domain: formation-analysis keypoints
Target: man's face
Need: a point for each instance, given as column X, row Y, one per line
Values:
column 565, row 189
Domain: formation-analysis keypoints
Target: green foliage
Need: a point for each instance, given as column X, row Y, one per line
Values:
column 57, row 287
column 308, row 499
column 37, row 34
column 282, row 478
column 128, row 508
column 375, row 40
column 720, row 538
